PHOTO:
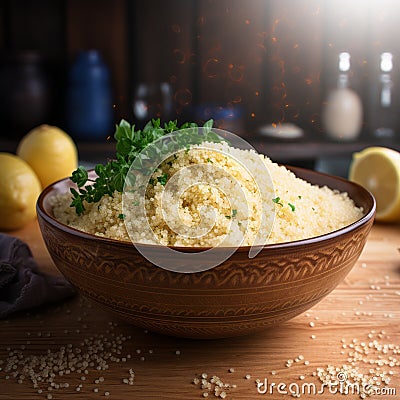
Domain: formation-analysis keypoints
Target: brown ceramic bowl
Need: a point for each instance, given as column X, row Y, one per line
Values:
column 239, row 296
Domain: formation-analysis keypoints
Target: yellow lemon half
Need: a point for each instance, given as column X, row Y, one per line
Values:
column 378, row 170
column 19, row 190
column 50, row 152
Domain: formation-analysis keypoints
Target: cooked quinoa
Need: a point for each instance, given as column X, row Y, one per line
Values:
column 229, row 209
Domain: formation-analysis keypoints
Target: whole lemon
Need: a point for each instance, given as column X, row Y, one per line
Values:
column 50, row 152
column 378, row 170
column 19, row 190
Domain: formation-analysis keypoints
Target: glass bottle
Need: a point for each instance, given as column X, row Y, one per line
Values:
column 152, row 100
column 383, row 111
column 25, row 93
column 344, row 70
column 343, row 112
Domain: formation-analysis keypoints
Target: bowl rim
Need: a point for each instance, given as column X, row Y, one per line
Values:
column 41, row 211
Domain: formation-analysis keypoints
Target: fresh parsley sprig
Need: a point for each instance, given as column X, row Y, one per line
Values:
column 129, row 145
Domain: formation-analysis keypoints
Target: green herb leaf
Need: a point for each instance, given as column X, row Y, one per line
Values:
column 163, row 179
column 208, row 126
column 234, row 213
column 129, row 145
column 77, row 202
column 80, row 176
column 292, row 206
column 277, row 200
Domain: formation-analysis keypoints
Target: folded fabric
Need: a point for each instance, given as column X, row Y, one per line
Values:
column 22, row 285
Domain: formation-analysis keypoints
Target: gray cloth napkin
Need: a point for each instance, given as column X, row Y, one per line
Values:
column 22, row 285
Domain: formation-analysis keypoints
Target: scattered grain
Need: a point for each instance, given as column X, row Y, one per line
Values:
column 213, row 385
column 376, row 355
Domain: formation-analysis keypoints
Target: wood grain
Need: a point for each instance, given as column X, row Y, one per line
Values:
column 368, row 299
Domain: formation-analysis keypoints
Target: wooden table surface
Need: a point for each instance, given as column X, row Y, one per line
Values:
column 364, row 307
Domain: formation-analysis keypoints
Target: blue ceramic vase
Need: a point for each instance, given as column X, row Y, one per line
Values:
column 89, row 98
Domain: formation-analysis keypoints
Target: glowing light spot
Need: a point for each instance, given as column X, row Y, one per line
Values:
column 308, row 81
column 247, row 22
column 140, row 109
column 201, row 20
column 295, row 46
column 274, row 125
column 274, row 39
column 252, row 115
column 256, row 93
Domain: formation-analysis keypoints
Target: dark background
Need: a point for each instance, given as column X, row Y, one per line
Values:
column 247, row 63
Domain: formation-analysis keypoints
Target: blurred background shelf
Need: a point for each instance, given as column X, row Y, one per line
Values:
column 246, row 64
